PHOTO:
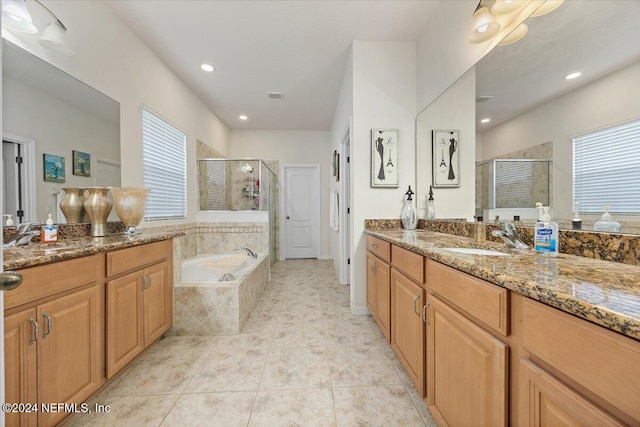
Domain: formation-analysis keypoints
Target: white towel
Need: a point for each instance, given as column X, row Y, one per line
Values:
column 334, row 211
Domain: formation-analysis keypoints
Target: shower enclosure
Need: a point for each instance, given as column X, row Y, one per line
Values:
column 241, row 185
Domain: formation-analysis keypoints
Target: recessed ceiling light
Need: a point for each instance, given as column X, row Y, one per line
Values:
column 485, row 120
column 207, row 67
column 572, row 76
column 242, row 117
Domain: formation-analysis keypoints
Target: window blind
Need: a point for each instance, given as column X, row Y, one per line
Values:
column 606, row 169
column 512, row 184
column 165, row 172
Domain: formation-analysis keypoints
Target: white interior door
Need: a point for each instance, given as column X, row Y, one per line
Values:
column 302, row 211
column 10, row 199
column 108, row 175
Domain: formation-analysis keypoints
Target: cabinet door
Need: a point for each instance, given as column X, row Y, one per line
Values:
column 70, row 349
column 467, row 378
column 371, row 285
column 383, row 297
column 407, row 336
column 158, row 302
column 125, row 333
column 20, row 365
column 550, row 403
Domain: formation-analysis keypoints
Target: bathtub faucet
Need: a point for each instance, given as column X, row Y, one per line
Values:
column 249, row 251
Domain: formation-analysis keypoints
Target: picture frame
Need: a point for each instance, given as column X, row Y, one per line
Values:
column 81, row 163
column 384, row 158
column 53, row 168
column 445, row 155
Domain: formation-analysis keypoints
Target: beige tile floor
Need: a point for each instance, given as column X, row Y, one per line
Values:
column 302, row 359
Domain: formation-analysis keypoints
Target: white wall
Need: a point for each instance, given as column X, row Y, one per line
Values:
column 599, row 104
column 34, row 114
column 384, row 97
column 454, row 109
column 292, row 147
column 112, row 59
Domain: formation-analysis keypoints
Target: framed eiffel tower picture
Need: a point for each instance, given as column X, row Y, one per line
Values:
column 384, row 158
column 445, row 154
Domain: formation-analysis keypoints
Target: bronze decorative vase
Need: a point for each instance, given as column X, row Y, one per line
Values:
column 72, row 205
column 130, row 203
column 98, row 206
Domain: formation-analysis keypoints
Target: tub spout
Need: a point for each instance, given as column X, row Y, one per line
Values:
column 249, row 251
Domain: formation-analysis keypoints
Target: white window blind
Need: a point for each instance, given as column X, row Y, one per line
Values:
column 165, row 172
column 512, row 184
column 606, row 169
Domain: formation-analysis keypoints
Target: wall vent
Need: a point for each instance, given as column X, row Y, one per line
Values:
column 275, row 95
column 483, row 98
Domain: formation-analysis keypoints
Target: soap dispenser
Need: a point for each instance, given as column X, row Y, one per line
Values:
column 409, row 214
column 431, row 208
column 607, row 224
column 9, row 221
column 546, row 235
column 576, row 222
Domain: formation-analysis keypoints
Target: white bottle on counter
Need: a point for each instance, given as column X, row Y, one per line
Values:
column 607, row 224
column 546, row 235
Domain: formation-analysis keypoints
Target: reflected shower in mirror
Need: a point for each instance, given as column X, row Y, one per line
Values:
column 46, row 111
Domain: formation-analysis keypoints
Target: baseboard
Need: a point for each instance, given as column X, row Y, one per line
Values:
column 360, row 311
column 325, row 257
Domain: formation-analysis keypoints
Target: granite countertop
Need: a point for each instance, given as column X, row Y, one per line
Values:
column 603, row 292
column 19, row 257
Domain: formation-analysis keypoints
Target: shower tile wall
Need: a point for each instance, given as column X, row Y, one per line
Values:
column 211, row 183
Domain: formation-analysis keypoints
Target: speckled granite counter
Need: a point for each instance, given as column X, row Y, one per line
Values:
column 605, row 293
column 37, row 254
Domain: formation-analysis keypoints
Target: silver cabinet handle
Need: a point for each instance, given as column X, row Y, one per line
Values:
column 48, row 319
column 424, row 313
column 415, row 307
column 374, row 245
column 147, row 281
column 372, row 266
column 36, row 331
column 10, row 280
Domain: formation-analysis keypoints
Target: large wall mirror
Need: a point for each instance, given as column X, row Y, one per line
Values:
column 534, row 112
column 47, row 112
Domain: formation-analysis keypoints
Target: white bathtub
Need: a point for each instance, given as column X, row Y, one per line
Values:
column 209, row 268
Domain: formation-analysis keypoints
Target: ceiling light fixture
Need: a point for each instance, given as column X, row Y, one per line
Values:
column 16, row 17
column 206, row 67
column 485, row 120
column 243, row 117
column 572, row 76
column 515, row 35
column 484, row 25
column 503, row 7
column 547, row 6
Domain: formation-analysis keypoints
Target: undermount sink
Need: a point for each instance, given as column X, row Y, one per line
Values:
column 474, row 251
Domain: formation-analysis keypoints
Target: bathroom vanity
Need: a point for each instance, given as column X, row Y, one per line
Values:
column 517, row 339
column 85, row 310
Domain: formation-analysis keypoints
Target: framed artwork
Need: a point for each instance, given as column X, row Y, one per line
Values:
column 53, row 167
column 384, row 158
column 445, row 154
column 81, row 163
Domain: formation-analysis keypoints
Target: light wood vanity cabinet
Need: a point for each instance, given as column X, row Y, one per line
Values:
column 139, row 301
column 468, row 361
column 379, row 293
column 54, row 337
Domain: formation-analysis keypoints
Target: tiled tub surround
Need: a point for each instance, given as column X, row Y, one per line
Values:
column 605, row 293
column 219, row 308
column 622, row 248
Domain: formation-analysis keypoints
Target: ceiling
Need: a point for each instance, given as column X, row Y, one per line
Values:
column 300, row 48
column 594, row 37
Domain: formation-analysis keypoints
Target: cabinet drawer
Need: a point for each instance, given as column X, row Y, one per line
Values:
column 46, row 280
column 379, row 247
column 484, row 301
column 136, row 257
column 408, row 262
column 604, row 362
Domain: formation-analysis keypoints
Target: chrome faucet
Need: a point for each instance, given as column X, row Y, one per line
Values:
column 510, row 235
column 249, row 251
column 23, row 236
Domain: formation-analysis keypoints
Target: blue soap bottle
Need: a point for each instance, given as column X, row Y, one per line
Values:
column 546, row 235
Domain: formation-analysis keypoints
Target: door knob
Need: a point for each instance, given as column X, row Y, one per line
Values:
column 10, row 280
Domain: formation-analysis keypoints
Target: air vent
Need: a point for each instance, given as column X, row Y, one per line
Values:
column 275, row 95
column 483, row 98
